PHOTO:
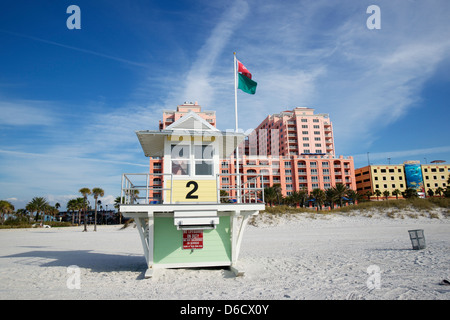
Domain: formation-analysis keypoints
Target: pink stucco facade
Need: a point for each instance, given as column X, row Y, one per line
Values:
column 293, row 148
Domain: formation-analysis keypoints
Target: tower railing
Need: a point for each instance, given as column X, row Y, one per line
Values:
column 148, row 188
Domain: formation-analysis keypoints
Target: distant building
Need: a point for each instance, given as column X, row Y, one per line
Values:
column 170, row 116
column 380, row 177
column 410, row 174
column 435, row 176
column 298, row 132
column 294, row 149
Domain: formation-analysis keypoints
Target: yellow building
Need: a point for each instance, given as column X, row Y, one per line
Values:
column 380, row 177
column 435, row 176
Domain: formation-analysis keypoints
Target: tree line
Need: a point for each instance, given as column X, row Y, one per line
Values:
column 40, row 207
column 334, row 195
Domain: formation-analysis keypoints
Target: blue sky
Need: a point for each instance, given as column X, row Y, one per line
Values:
column 71, row 100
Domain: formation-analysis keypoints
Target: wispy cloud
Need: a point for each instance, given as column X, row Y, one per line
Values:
column 99, row 54
column 377, row 157
column 25, row 113
column 55, row 156
column 198, row 84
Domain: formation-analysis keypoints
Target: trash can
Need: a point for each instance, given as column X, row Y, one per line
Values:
column 417, row 239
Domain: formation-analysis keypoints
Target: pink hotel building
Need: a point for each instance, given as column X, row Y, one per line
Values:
column 294, row 148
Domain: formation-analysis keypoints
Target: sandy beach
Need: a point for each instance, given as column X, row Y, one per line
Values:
column 301, row 256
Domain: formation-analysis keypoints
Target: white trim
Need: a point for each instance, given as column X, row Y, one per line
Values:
column 192, row 264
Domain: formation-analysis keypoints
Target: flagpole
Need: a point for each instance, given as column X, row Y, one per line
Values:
column 238, row 178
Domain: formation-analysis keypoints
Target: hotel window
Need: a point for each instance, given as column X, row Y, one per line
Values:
column 315, row 120
column 306, row 144
column 306, row 151
column 326, row 178
column 316, row 138
column 288, row 179
column 318, row 151
column 326, row 186
column 313, row 171
column 304, row 126
column 304, row 132
column 318, row 144
column 326, row 171
column 288, row 172
column 316, row 132
column 315, row 185
column 305, row 139
column 314, row 179
column 304, row 120
column 316, row 126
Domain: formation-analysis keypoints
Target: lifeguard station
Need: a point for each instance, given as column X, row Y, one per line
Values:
column 192, row 225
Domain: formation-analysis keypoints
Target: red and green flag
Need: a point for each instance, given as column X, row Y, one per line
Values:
column 245, row 82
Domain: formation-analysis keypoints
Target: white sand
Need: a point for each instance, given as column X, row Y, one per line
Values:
column 296, row 257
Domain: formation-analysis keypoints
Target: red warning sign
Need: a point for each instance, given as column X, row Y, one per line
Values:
column 192, row 239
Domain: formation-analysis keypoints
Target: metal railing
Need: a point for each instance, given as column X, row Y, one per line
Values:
column 140, row 188
column 136, row 188
column 251, row 189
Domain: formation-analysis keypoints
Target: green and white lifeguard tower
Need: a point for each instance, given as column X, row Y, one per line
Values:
column 191, row 226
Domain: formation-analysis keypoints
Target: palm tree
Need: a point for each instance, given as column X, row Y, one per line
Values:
column 340, row 191
column 410, row 193
column 277, row 188
column 38, row 204
column 368, row 194
column 353, row 195
column 270, row 195
column 5, row 207
column 319, row 196
column 85, row 192
column 439, row 191
column 377, row 193
column 395, row 193
column 430, row 192
column 71, row 206
column 97, row 192
column 224, row 198
column 329, row 196
column 386, row 193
